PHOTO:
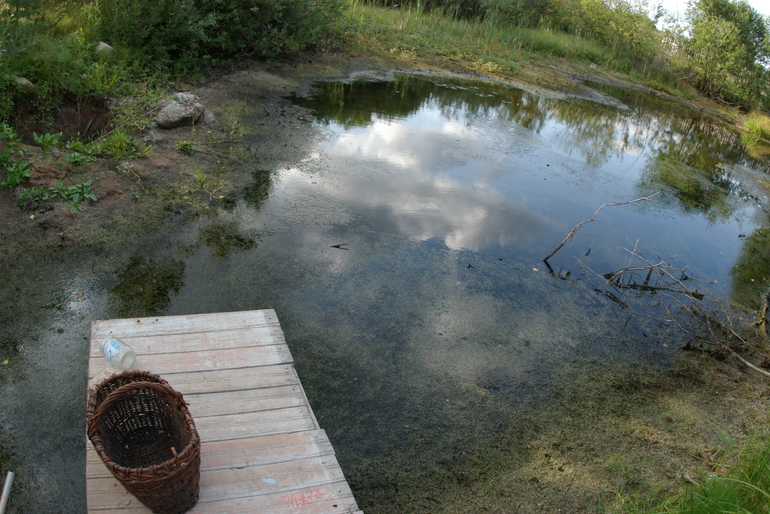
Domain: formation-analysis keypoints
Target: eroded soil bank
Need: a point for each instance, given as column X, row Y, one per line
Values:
column 618, row 429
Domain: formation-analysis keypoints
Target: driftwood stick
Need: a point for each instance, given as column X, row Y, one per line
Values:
column 571, row 233
column 747, row 363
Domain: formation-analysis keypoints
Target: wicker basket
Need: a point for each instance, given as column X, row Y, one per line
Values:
column 145, row 435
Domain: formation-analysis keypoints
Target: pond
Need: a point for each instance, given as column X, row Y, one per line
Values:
column 403, row 256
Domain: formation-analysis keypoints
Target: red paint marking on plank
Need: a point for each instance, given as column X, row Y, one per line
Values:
column 306, row 497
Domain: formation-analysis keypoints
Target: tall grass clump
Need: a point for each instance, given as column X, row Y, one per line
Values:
column 758, row 124
column 742, row 487
column 490, row 42
column 757, row 135
column 616, row 35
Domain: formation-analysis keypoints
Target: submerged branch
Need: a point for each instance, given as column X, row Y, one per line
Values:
column 681, row 305
column 577, row 227
column 662, row 296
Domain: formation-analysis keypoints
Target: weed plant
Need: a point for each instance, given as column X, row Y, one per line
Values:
column 46, row 141
column 32, row 198
column 186, row 147
column 15, row 173
column 13, row 169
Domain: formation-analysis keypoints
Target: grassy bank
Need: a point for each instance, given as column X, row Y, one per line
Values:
column 488, row 46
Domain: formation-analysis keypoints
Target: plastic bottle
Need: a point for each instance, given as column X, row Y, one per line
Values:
column 118, row 353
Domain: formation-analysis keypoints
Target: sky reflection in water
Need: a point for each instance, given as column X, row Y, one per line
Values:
column 403, row 257
column 489, row 169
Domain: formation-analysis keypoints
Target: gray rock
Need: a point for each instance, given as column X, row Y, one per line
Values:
column 182, row 109
column 207, row 118
column 26, row 84
column 104, row 49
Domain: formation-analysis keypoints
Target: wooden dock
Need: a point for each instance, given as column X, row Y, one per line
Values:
column 262, row 450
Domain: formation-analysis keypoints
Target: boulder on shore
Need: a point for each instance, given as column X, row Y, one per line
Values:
column 181, row 109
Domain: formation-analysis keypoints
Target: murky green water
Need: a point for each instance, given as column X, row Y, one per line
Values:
column 402, row 254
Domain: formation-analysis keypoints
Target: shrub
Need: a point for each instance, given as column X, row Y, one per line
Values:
column 182, row 31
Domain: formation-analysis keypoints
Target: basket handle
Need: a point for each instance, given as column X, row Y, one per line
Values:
column 125, row 391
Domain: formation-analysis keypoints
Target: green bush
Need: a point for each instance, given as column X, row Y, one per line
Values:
column 180, row 32
column 51, row 43
column 162, row 31
column 45, row 45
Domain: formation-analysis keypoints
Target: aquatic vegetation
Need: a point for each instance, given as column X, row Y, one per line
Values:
column 201, row 177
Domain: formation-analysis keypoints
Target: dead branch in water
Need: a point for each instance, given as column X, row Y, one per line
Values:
column 681, row 305
column 571, row 233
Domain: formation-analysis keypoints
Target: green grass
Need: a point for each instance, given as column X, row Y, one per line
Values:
column 758, row 124
column 490, row 45
column 738, row 484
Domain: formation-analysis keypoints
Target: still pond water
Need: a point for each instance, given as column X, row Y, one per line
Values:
column 403, row 256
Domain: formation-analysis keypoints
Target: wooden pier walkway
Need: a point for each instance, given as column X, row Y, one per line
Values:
column 262, row 450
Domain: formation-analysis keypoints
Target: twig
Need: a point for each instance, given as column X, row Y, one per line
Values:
column 744, row 361
column 571, row 233
column 678, row 303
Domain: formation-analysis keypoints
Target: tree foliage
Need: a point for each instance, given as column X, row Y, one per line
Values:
column 616, row 23
column 728, row 50
column 724, row 49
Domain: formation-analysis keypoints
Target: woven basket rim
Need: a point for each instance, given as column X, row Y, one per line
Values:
column 164, row 468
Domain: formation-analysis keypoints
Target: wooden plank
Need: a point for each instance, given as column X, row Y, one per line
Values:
column 214, row 428
column 221, row 484
column 249, row 400
column 170, row 363
column 325, row 499
column 239, row 453
column 194, row 323
column 195, row 334
column 194, row 341
column 262, row 449
column 236, row 379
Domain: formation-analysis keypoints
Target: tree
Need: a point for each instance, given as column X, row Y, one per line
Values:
column 729, row 49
